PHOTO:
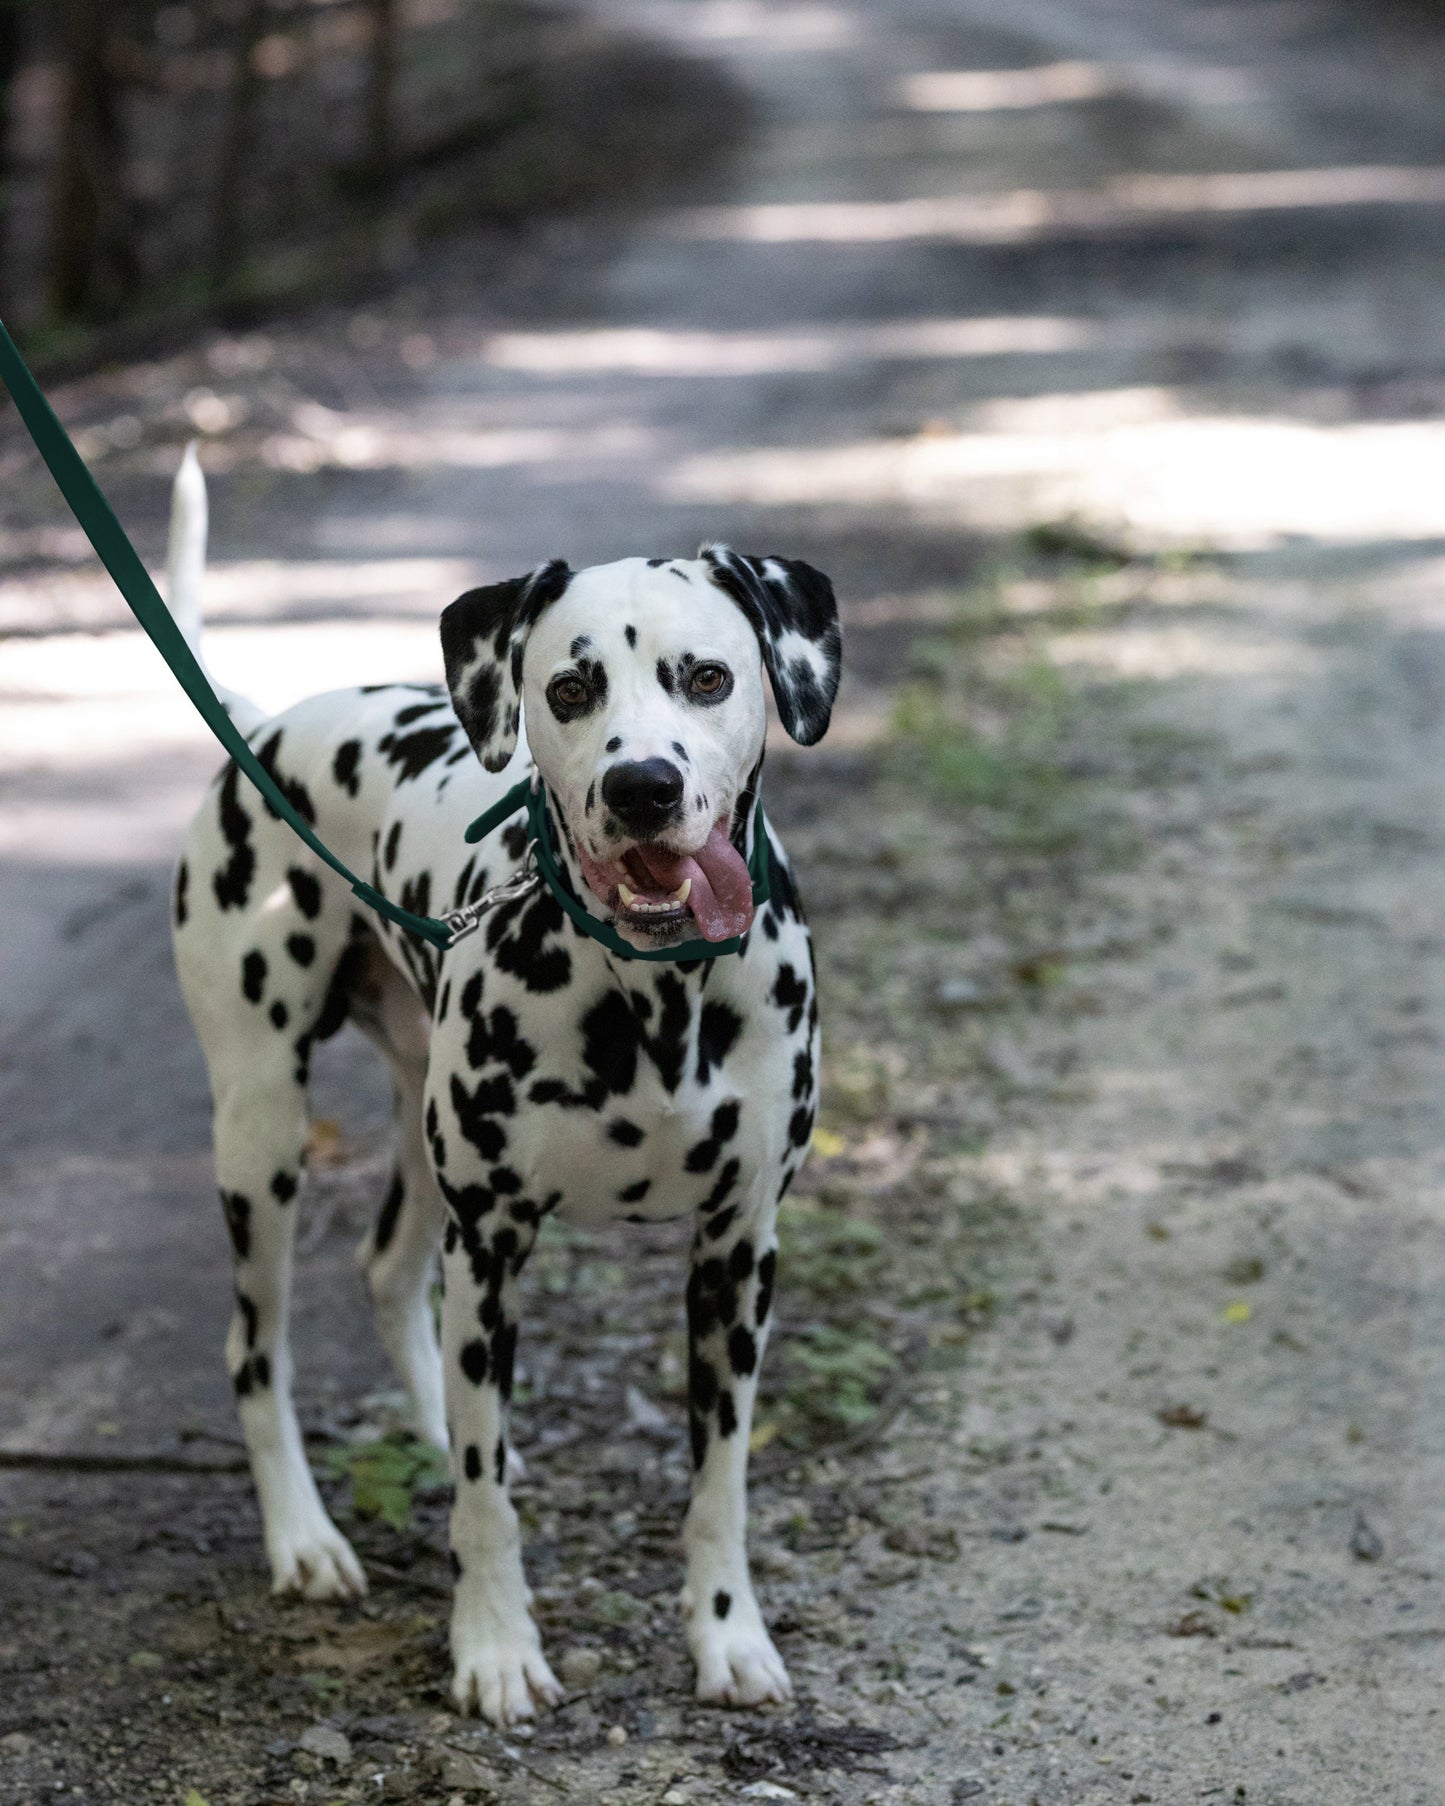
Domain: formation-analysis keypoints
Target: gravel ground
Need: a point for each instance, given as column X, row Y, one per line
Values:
column 1098, row 350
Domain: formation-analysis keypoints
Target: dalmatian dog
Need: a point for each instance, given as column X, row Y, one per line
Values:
column 535, row 1070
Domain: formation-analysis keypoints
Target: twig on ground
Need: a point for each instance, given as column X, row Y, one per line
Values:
column 83, row 1462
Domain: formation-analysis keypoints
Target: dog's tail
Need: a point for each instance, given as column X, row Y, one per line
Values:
column 185, row 575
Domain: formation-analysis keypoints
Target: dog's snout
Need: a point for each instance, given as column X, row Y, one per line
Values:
column 644, row 794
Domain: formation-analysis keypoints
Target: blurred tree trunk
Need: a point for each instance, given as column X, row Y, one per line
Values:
column 11, row 52
column 93, row 262
column 227, row 238
column 381, row 95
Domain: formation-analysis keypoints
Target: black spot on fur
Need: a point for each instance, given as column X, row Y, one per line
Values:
column 249, row 1316
column 454, row 1562
column 344, row 766
column 626, row 1134
column 667, row 677
column 306, row 890
column 591, row 799
column 740, row 1261
column 495, row 1040
column 521, row 939
column 253, row 975
column 280, row 1015
column 412, row 754
column 634, row 1193
column 232, row 884
column 613, row 1036
column 472, row 1462
column 237, row 1209
column 613, row 744
column 790, row 993
column 473, row 1359
column 283, row 1187
column 722, row 1604
column 414, row 712
column 504, row 1355
column 393, row 843
column 742, row 1351
column 767, row 1271
column 302, row 948
column 499, row 1461
column 727, row 1414
column 721, row 1192
column 703, row 1157
column 476, row 1113
column 800, row 1128
column 701, row 1386
column 718, row 1029
column 630, row 634
column 183, row 885
column 389, row 1215
column 292, row 789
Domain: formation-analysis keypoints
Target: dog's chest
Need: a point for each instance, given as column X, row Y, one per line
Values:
column 612, row 1097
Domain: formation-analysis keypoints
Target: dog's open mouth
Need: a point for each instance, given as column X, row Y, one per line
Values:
column 657, row 891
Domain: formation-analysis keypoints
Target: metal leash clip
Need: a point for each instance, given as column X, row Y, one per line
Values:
column 464, row 921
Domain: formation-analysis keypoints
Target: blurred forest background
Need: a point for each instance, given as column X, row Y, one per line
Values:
column 168, row 161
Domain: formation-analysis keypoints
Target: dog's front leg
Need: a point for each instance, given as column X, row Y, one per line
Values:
column 729, row 1300
column 499, row 1668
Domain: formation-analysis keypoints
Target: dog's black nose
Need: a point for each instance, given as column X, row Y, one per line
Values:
column 643, row 794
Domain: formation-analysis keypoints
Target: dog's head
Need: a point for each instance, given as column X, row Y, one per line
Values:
column 642, row 684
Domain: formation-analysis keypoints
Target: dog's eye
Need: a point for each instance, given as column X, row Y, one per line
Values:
column 567, row 692
column 709, row 680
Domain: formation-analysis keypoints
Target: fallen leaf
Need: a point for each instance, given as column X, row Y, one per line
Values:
column 827, row 1143
column 1238, row 1312
column 324, row 1144
column 762, row 1435
column 1192, row 1624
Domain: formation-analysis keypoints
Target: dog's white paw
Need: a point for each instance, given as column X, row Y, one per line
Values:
column 502, row 1673
column 737, row 1664
column 315, row 1561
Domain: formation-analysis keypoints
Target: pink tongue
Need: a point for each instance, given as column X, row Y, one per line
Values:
column 721, row 898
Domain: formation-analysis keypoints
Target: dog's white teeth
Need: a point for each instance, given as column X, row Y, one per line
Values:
column 629, row 897
column 683, row 892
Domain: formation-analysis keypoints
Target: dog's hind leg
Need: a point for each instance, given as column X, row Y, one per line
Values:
column 257, row 1018
column 399, row 1253
column 729, row 1305
column 260, row 1135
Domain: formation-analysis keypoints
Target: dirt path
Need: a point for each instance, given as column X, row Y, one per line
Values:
column 1108, row 1456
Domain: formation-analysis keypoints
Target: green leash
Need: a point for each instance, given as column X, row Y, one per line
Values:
column 120, row 558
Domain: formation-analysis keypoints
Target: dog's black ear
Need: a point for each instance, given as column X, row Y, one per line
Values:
column 484, row 634
column 793, row 611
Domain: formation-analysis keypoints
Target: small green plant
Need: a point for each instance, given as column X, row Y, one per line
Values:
column 829, row 1255
column 386, row 1475
column 842, row 1371
column 1072, row 542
